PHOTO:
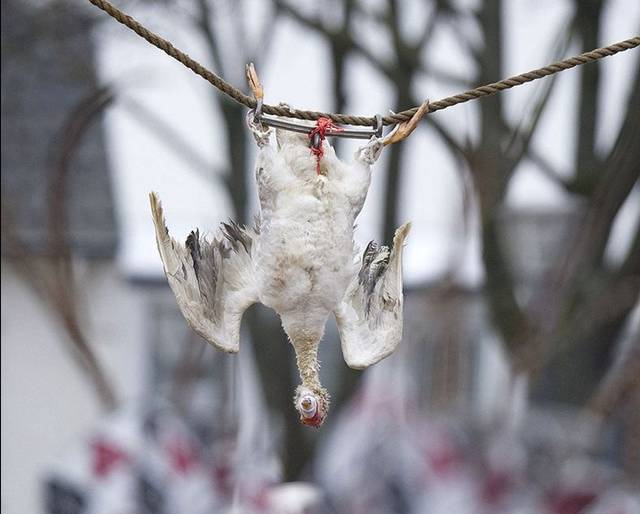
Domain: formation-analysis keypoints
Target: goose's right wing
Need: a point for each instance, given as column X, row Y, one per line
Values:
column 213, row 282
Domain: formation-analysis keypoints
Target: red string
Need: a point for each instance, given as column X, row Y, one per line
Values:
column 321, row 128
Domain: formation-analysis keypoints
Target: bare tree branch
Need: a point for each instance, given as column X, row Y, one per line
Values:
column 53, row 278
column 520, row 139
column 619, row 384
column 204, row 22
column 171, row 138
column 588, row 17
column 461, row 149
column 544, row 165
column 318, row 26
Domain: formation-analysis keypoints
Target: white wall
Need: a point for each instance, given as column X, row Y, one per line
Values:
column 47, row 402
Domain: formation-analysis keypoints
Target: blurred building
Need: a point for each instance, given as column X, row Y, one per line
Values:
column 449, row 328
column 47, row 71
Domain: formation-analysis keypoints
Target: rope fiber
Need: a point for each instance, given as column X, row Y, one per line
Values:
column 347, row 119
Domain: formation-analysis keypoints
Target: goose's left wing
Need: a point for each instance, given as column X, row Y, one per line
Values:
column 370, row 315
column 213, row 282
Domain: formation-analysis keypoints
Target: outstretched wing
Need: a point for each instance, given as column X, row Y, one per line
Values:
column 370, row 315
column 213, row 281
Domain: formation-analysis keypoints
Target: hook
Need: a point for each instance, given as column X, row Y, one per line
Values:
column 377, row 126
column 316, row 140
column 257, row 90
column 257, row 112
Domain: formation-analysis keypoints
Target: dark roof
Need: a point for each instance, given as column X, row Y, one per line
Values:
column 47, row 69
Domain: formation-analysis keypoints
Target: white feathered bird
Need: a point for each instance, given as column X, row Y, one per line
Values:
column 297, row 259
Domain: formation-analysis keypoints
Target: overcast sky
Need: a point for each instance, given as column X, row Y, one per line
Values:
column 297, row 72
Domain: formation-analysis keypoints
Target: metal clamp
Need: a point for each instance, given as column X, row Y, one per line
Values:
column 378, row 126
column 257, row 112
column 316, row 140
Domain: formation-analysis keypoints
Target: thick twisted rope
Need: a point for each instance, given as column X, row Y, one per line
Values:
column 392, row 119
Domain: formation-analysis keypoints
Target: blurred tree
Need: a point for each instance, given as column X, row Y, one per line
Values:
column 588, row 299
column 566, row 332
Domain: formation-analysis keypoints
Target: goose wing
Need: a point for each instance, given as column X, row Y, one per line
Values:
column 213, row 282
column 370, row 315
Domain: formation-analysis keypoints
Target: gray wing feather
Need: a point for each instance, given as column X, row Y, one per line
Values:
column 370, row 316
column 213, row 282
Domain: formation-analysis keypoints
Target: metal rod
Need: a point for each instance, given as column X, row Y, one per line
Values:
column 305, row 129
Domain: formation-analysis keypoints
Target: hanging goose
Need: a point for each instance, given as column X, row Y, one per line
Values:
column 298, row 259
